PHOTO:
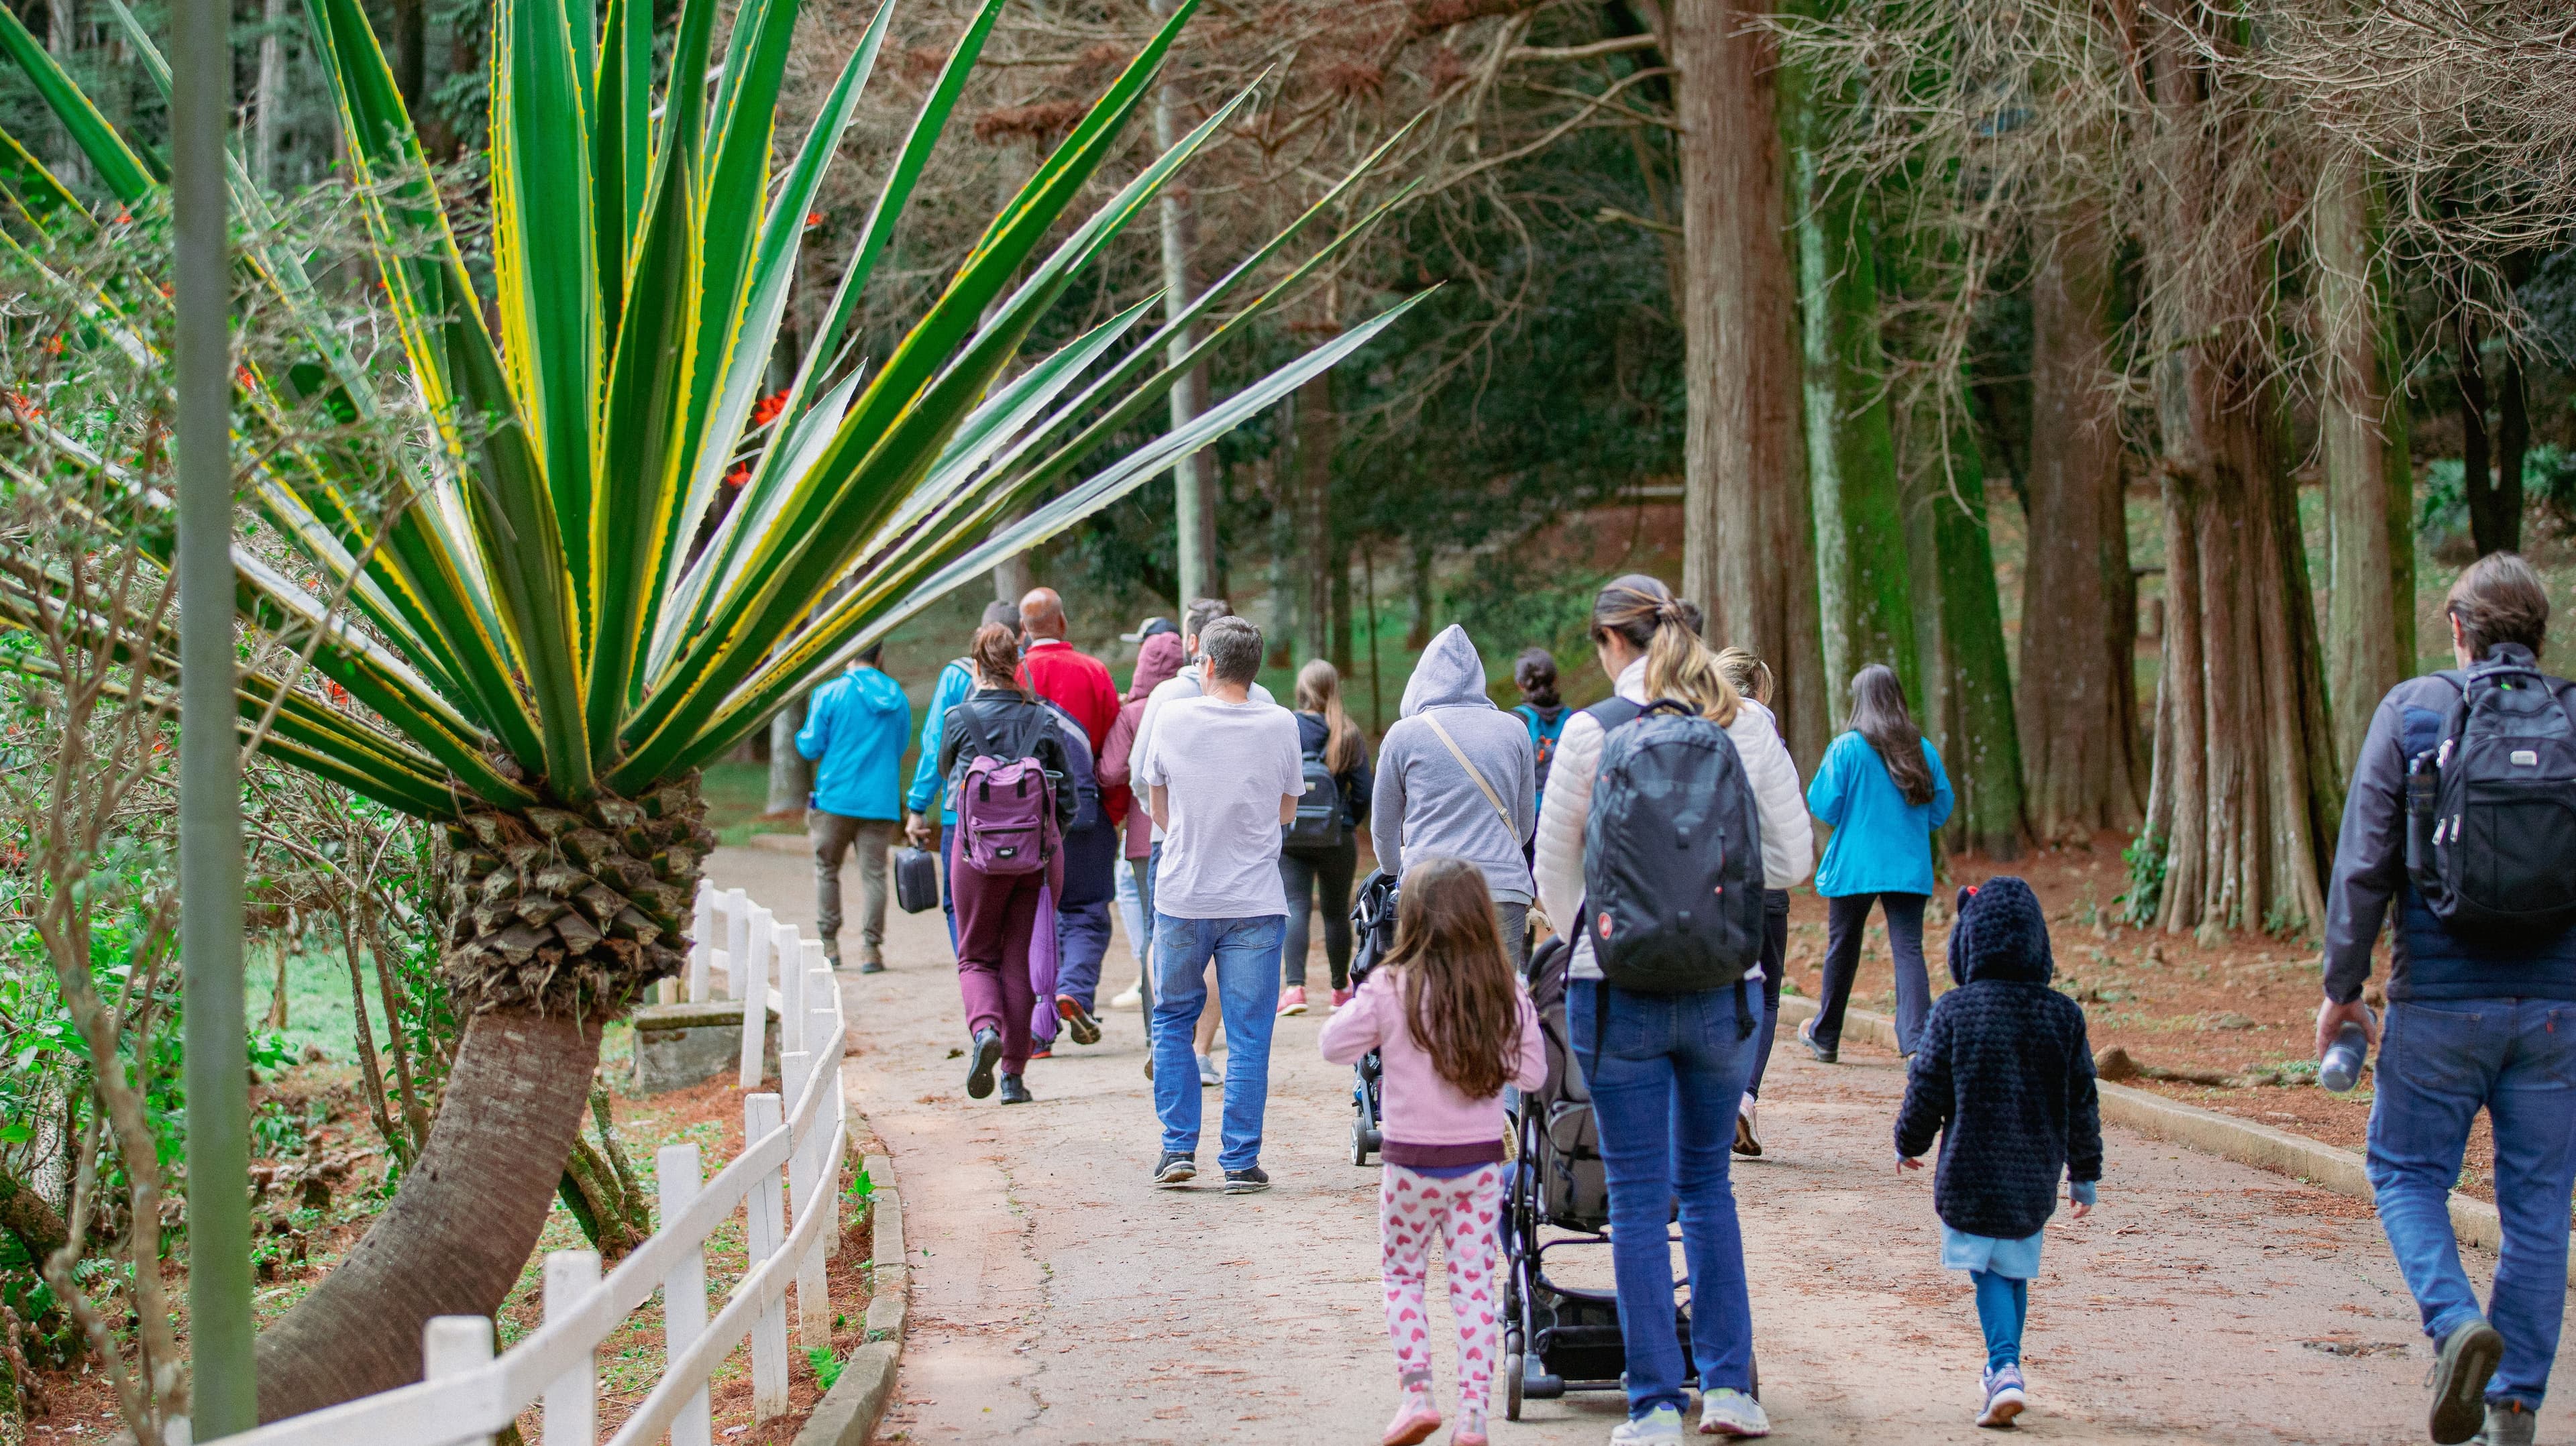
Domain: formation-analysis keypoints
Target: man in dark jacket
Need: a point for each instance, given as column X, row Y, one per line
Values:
column 2472, row 1024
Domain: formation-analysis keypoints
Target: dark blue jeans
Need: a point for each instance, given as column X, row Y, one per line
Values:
column 2439, row 1063
column 1666, row 1072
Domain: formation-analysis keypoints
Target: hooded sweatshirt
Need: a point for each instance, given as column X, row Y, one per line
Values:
column 1157, row 659
column 854, row 734
column 2002, row 1074
column 1428, row 806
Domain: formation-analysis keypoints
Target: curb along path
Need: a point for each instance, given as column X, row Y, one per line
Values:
column 1056, row 1297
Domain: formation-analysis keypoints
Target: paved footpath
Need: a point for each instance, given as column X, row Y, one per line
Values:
column 1058, row 1298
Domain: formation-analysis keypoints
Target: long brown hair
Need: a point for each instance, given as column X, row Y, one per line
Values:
column 996, row 655
column 1678, row 666
column 1878, row 714
column 1460, row 999
column 1319, row 690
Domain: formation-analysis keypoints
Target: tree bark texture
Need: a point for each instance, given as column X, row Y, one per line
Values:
column 1748, row 542
column 1318, row 434
column 1194, row 478
column 272, row 94
column 791, row 778
column 30, row 1218
column 2078, row 693
column 1969, row 702
column 2494, row 495
column 457, row 1234
column 2370, row 565
column 1863, row 591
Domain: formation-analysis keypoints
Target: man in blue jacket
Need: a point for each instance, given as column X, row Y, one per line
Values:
column 2473, row 1023
column 854, row 732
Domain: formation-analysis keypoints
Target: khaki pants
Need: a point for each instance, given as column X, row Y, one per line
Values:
column 833, row 835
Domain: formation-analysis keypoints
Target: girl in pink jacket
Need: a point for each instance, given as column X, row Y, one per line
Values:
column 1452, row 1025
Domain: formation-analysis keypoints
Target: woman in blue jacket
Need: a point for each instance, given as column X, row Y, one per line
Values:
column 1883, row 793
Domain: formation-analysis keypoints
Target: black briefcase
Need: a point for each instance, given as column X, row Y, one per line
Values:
column 916, row 880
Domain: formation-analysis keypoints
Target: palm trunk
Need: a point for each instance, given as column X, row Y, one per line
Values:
column 2370, row 569
column 1748, row 542
column 460, row 1230
column 2078, row 700
column 1863, row 587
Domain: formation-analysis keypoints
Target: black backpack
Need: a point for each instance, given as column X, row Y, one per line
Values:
column 1319, row 824
column 1672, row 857
column 2491, row 810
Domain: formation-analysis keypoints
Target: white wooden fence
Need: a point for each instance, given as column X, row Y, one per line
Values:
column 469, row 1393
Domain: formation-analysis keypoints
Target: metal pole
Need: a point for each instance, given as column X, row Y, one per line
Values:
column 223, row 1389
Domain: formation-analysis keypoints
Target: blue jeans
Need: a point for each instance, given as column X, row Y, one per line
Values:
column 1246, row 952
column 2003, row 1304
column 1081, row 940
column 2439, row 1061
column 1665, row 1077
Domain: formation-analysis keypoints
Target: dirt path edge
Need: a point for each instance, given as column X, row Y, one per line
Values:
column 2310, row 1161
column 848, row 1413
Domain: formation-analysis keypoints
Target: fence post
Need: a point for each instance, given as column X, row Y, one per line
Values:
column 761, row 1113
column 702, row 942
column 677, row 1177
column 813, row 1313
column 822, row 1015
column 791, row 992
column 453, row 1345
column 572, row 1399
column 737, row 938
column 751, row 981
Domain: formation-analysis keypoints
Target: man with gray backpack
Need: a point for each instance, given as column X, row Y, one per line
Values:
column 2462, row 815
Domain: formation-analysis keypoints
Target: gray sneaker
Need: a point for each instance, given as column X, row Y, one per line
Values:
column 2468, row 1357
column 2509, row 1423
column 1729, row 1412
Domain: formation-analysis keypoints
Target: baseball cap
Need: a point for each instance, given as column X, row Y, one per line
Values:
column 1148, row 628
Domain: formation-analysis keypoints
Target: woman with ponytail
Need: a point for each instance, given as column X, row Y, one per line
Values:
column 1881, row 790
column 1666, row 1071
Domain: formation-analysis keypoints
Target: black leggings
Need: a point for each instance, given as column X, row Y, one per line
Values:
column 1845, row 915
column 1307, row 875
column 1775, row 968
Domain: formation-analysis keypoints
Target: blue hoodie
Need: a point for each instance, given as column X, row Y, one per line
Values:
column 855, row 728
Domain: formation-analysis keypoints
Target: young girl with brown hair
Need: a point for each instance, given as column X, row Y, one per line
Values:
column 1452, row 1027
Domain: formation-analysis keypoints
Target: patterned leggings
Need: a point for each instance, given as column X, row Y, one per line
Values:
column 1463, row 1212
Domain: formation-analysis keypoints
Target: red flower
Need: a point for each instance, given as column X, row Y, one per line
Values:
column 813, row 219
column 740, row 474
column 338, row 695
column 54, row 345
column 766, row 410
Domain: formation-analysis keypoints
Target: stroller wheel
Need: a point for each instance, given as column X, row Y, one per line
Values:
column 1359, row 1134
column 1512, row 1386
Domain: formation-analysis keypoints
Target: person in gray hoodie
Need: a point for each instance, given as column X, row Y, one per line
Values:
column 1471, row 794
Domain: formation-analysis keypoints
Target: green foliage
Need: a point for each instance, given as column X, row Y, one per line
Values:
column 2145, row 860
column 827, row 1366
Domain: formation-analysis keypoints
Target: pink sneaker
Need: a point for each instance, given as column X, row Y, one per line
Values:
column 1292, row 1000
column 1413, row 1424
column 1343, row 996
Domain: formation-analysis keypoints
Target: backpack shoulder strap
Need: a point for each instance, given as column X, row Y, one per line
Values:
column 1612, row 711
column 1487, row 789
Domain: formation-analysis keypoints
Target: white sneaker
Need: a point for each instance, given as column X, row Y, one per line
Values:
column 1661, row 1426
column 1748, row 1132
column 1130, row 998
column 1732, row 1413
column 1208, row 1072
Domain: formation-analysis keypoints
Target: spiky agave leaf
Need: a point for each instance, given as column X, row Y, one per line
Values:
column 545, row 662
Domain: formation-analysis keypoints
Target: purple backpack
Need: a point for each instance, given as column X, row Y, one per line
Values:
column 1005, row 816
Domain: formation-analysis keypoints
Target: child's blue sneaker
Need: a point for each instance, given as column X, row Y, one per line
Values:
column 2004, row 1396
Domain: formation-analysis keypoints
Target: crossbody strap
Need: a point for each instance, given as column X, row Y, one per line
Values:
column 1482, row 786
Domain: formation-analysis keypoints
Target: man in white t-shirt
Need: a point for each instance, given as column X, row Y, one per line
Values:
column 1222, row 775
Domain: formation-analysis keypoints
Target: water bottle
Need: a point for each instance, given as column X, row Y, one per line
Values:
column 2340, row 1070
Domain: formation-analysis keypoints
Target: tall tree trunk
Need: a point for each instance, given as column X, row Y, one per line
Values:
column 2513, row 441
column 2078, row 698
column 2491, row 527
column 1863, row 584
column 2243, row 802
column 272, row 95
column 1748, row 542
column 1968, row 689
column 460, row 1230
column 1318, row 435
column 791, row 778
column 1421, row 583
column 2370, row 566
column 1194, row 478
column 411, row 53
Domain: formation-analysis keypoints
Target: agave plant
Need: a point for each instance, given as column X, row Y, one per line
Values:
column 554, row 614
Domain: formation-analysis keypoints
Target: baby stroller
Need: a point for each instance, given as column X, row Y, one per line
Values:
column 1373, row 925
column 1559, row 1338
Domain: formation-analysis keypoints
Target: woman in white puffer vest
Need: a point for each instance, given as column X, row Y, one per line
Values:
column 1666, row 1072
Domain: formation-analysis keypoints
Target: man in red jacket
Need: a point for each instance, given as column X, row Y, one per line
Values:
column 1058, row 672
column 1079, row 684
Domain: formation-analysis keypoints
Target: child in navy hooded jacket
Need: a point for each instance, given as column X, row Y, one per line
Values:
column 2005, row 1078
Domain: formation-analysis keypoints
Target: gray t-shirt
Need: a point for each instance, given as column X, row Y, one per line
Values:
column 1225, row 767
column 1183, row 684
